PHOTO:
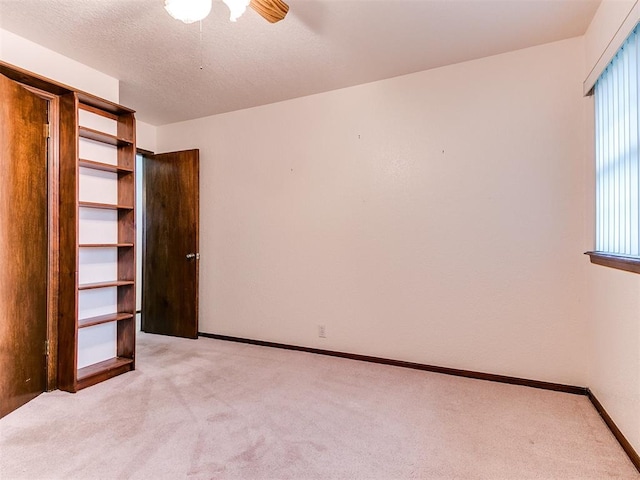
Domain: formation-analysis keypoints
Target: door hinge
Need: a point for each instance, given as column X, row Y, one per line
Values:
column 46, row 347
column 47, row 130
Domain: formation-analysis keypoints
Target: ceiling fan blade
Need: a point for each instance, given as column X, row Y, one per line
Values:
column 271, row 10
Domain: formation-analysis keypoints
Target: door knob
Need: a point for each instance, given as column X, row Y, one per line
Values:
column 192, row 255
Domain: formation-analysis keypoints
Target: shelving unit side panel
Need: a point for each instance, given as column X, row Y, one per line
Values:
column 127, row 298
column 126, row 226
column 127, row 339
column 126, row 329
column 127, row 127
column 126, row 189
column 126, row 264
column 68, row 212
column 126, row 156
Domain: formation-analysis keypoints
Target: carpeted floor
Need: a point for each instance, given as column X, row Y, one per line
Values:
column 208, row 409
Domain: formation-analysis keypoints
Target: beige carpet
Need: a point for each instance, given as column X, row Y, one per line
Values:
column 209, row 409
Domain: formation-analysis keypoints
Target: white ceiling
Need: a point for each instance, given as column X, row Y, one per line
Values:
column 321, row 45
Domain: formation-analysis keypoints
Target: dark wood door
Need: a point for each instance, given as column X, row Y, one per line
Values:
column 23, row 245
column 170, row 244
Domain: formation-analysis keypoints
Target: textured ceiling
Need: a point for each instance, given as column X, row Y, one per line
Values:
column 321, row 45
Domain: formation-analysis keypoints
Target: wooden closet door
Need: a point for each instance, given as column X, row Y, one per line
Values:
column 23, row 245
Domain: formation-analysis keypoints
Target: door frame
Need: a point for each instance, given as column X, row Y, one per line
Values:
column 140, row 250
column 53, row 233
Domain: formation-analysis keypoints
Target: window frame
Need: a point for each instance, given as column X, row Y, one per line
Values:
column 620, row 262
column 625, row 262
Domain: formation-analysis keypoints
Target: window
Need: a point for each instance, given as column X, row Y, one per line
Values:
column 617, row 134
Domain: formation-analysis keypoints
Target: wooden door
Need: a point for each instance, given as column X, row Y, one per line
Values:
column 23, row 245
column 170, row 244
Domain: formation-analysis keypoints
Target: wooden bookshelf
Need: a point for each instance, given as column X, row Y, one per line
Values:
column 74, row 106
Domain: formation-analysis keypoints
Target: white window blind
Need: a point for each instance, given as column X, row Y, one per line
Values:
column 617, row 155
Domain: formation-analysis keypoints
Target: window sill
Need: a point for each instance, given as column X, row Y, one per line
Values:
column 621, row 262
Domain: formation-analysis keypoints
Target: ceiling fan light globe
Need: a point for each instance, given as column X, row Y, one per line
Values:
column 188, row 11
column 236, row 8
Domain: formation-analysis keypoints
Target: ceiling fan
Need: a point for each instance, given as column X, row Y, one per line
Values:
column 190, row 11
column 271, row 10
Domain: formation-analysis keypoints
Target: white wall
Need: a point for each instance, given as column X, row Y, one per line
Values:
column 33, row 57
column 611, row 25
column 429, row 218
column 146, row 136
column 30, row 56
column 613, row 295
column 433, row 217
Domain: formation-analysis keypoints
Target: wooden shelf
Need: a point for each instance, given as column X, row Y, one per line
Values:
column 99, row 320
column 105, row 245
column 104, row 206
column 115, row 283
column 101, row 371
column 105, row 167
column 101, row 103
column 102, row 137
column 97, row 111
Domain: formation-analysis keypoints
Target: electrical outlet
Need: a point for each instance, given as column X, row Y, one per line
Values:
column 322, row 332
